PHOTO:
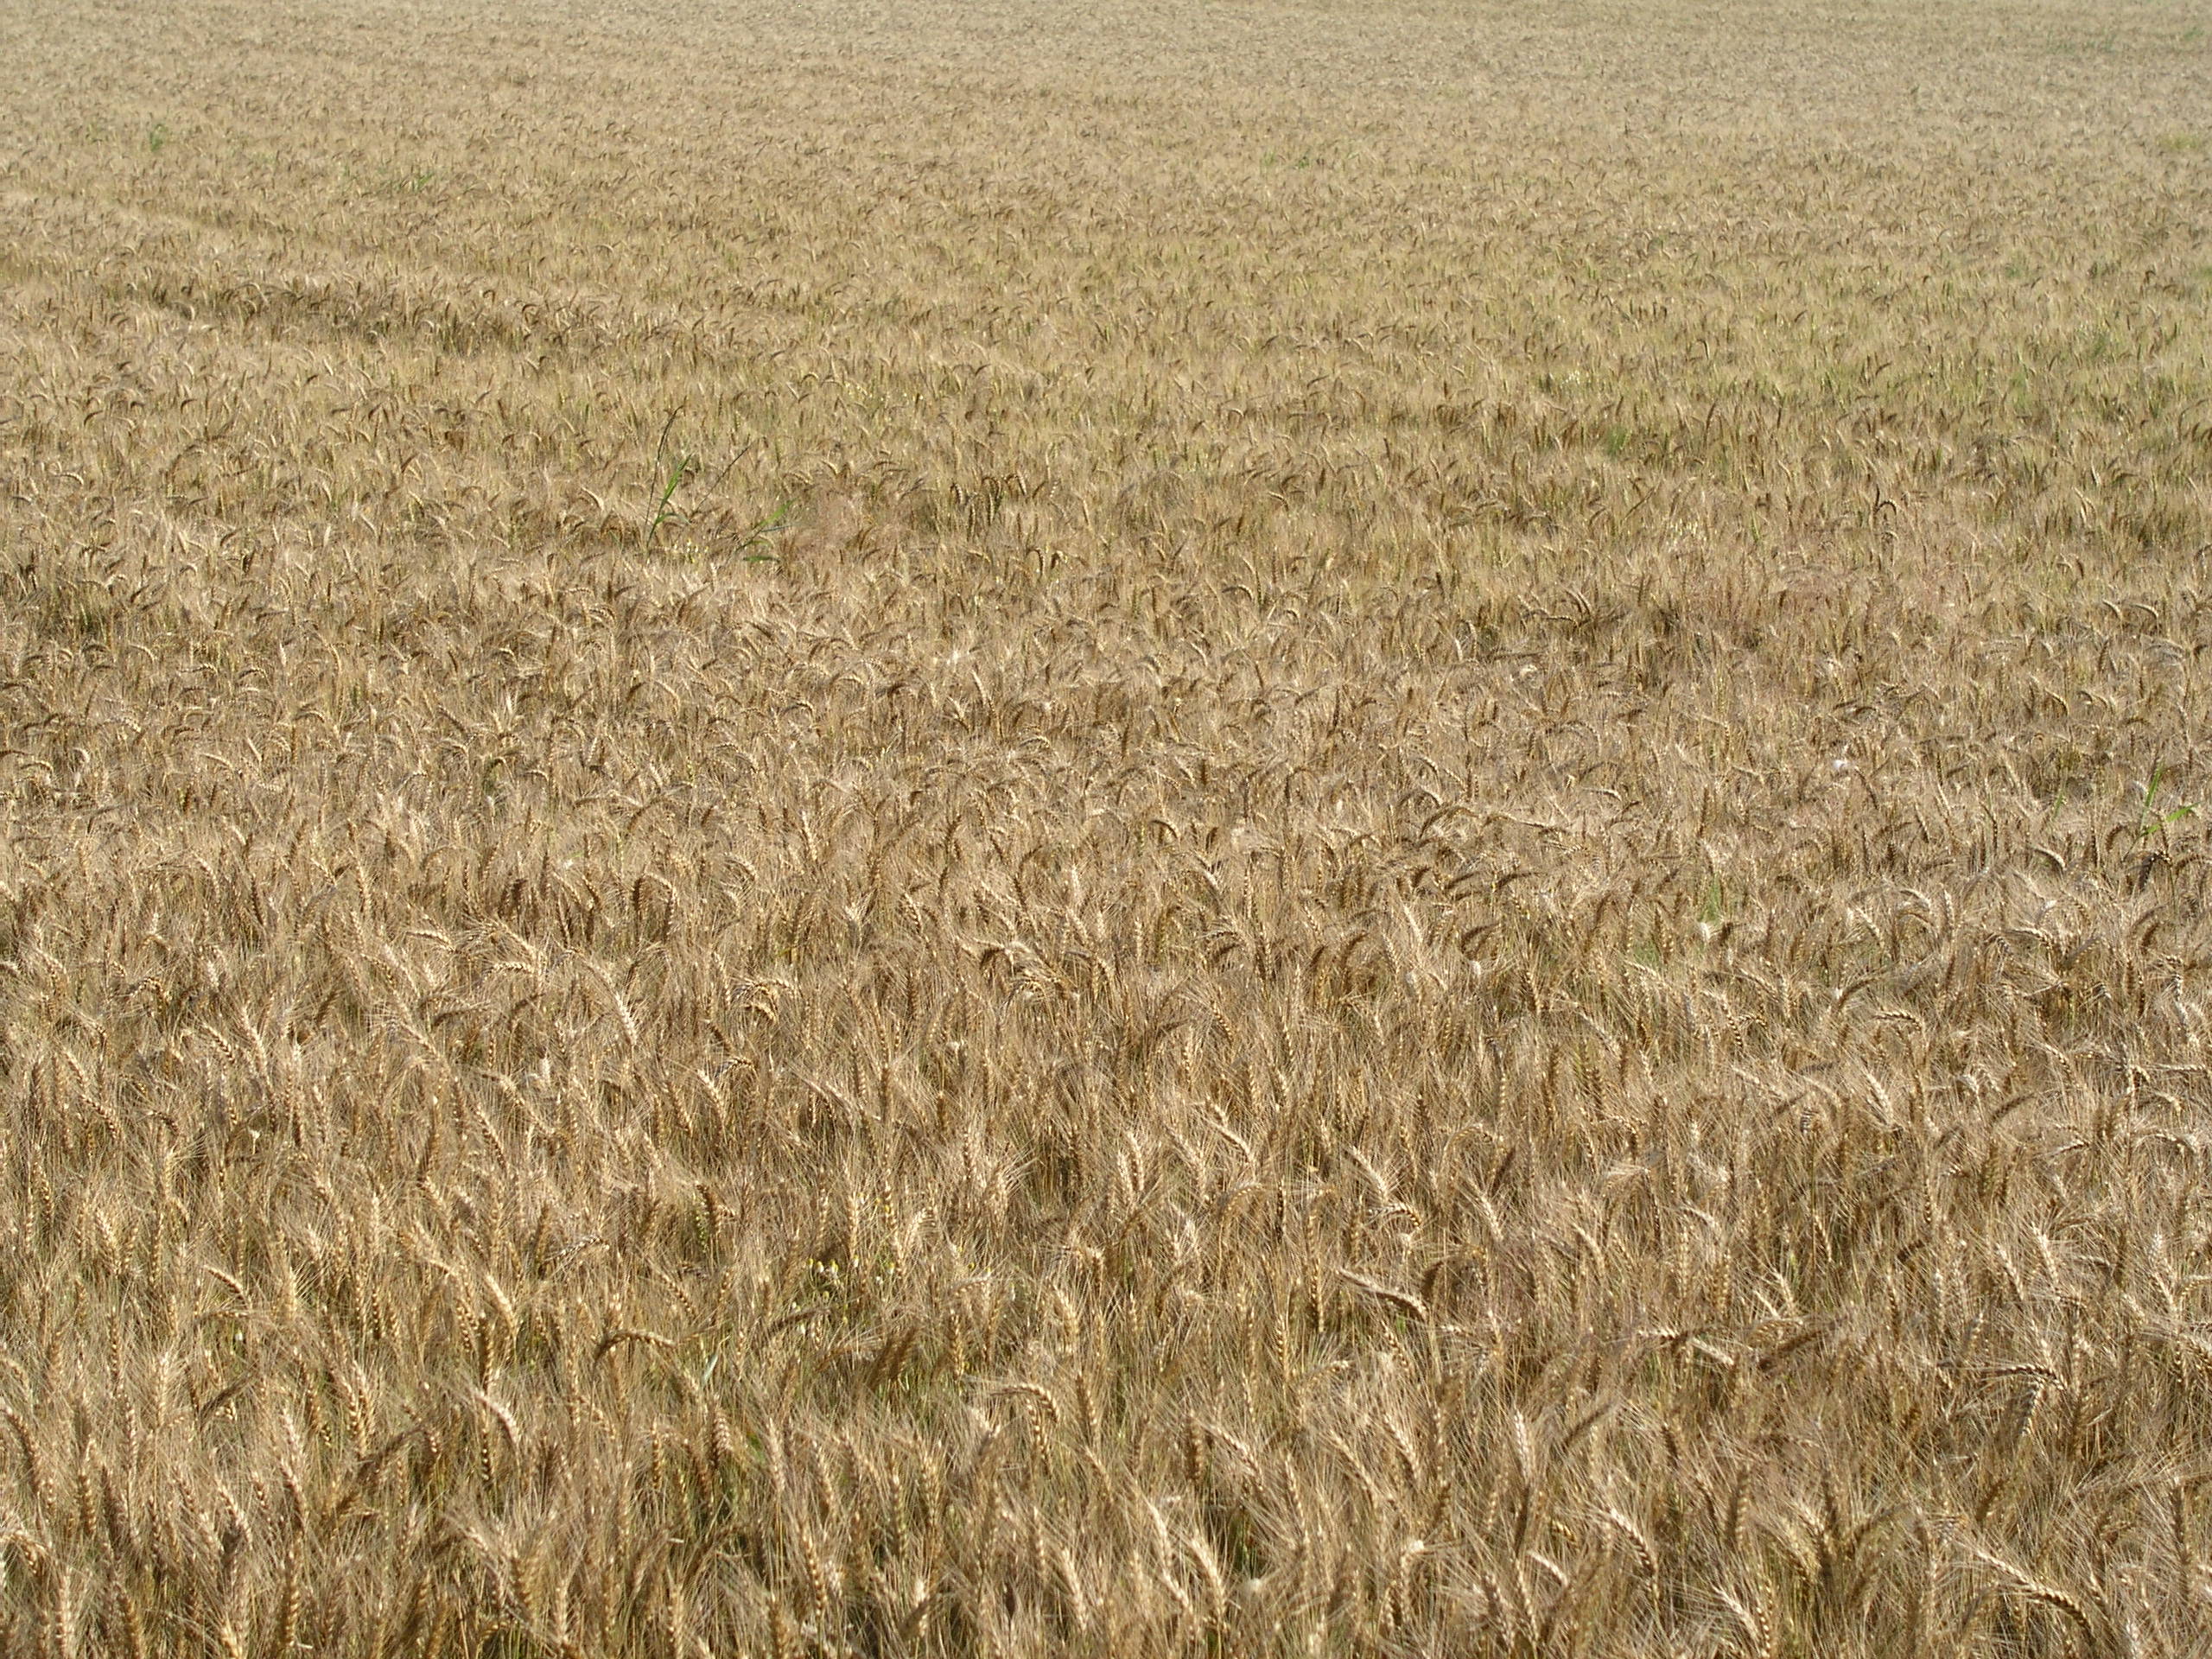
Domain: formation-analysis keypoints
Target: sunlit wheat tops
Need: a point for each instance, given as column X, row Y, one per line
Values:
column 986, row 829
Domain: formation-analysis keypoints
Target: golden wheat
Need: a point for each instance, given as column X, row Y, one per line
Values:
column 1236, row 827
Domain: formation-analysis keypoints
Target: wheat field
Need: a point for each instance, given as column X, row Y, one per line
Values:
column 1228, row 827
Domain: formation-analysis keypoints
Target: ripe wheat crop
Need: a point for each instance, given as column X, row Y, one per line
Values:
column 1217, row 827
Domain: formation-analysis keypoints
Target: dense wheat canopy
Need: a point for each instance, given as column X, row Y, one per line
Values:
column 1221, row 826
